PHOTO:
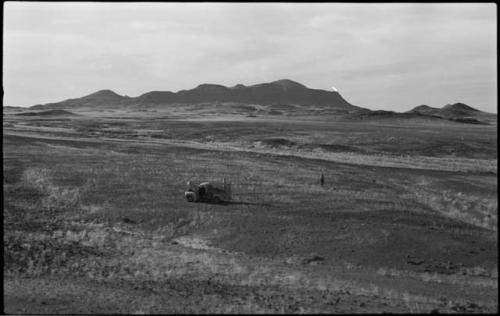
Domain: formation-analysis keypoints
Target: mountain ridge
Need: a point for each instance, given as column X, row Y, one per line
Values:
column 283, row 91
column 456, row 109
column 282, row 96
column 459, row 112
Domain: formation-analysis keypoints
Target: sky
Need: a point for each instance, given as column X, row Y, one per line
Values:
column 380, row 56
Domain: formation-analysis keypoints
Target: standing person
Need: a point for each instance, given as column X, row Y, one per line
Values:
column 322, row 180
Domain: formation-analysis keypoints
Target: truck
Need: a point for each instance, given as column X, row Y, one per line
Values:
column 215, row 192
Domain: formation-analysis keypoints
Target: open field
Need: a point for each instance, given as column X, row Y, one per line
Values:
column 95, row 219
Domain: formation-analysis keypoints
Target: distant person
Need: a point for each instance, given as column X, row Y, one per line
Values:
column 322, row 180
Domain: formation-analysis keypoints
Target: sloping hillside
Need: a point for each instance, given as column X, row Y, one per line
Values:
column 458, row 112
column 424, row 110
column 99, row 99
column 277, row 92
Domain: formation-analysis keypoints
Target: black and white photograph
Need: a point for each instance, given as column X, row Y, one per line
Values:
column 250, row 158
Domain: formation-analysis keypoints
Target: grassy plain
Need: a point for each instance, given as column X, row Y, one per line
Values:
column 95, row 218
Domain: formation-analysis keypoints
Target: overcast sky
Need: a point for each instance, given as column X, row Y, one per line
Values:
column 380, row 56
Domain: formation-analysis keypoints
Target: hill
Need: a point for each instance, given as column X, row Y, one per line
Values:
column 449, row 110
column 280, row 97
column 277, row 92
column 100, row 99
column 458, row 112
column 424, row 110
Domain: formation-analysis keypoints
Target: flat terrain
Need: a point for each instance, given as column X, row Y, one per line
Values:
column 95, row 219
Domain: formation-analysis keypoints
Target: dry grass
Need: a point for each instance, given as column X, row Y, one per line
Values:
column 380, row 160
column 86, row 193
column 481, row 211
column 476, row 276
column 54, row 197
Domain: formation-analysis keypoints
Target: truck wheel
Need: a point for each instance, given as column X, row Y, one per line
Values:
column 217, row 199
column 190, row 198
